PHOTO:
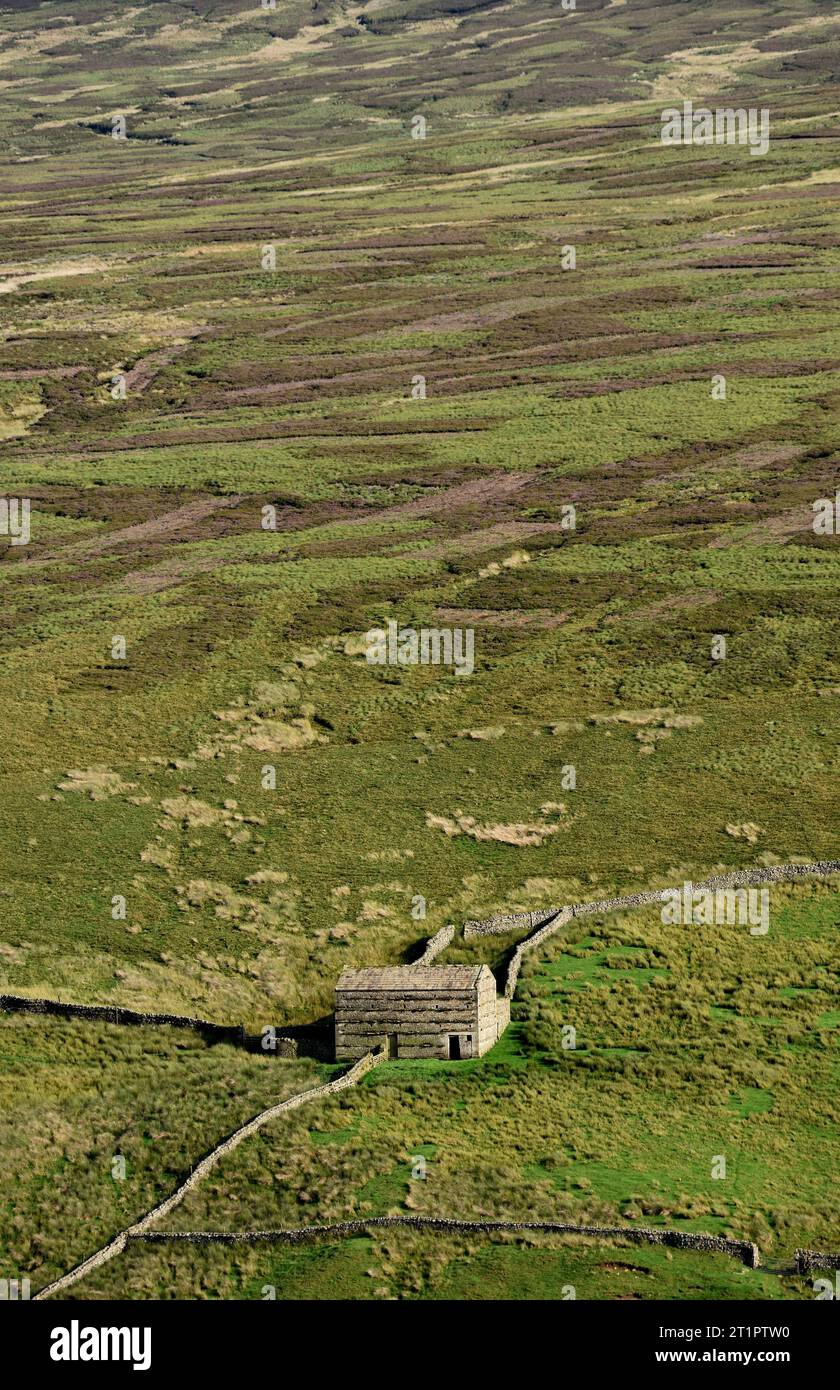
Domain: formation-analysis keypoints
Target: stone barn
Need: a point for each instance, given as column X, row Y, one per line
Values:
column 448, row 1011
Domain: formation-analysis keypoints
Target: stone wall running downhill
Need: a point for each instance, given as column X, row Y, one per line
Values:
column 743, row 1250
column 117, row 1245
column 435, row 945
column 807, row 1260
column 558, row 920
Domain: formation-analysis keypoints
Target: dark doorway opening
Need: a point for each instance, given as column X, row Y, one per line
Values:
column 392, row 1045
column 454, row 1047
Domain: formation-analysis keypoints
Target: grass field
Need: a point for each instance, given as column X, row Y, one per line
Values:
column 161, row 386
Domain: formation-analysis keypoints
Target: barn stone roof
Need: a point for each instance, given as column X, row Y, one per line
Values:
column 412, row 977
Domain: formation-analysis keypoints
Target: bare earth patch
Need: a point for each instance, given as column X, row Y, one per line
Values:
column 97, row 782
column 168, row 524
column 489, row 488
column 661, row 609
column 493, row 617
column 504, row 533
column 520, row 833
column 82, row 265
column 771, row 530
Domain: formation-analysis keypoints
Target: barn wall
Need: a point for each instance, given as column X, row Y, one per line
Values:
column 488, row 1019
column 421, row 1019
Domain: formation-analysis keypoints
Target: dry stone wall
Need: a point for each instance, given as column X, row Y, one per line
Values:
column 113, row 1013
column 435, row 945
column 738, row 878
column 743, row 1250
column 807, row 1260
column 503, row 925
column 301, row 1043
column 528, row 944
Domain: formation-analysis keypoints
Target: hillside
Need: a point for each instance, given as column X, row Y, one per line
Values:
column 402, row 312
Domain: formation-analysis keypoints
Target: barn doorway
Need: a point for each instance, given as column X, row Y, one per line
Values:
column 454, row 1047
column 391, row 1041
